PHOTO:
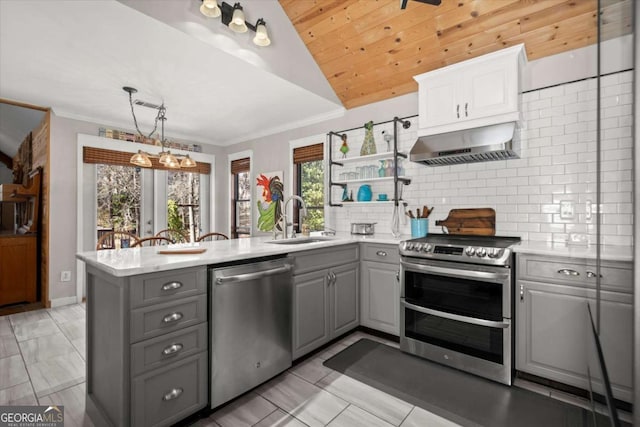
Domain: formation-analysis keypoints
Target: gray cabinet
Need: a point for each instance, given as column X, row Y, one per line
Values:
column 325, row 300
column 552, row 339
column 380, row 288
column 147, row 347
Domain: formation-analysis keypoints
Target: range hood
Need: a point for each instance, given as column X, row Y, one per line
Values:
column 487, row 143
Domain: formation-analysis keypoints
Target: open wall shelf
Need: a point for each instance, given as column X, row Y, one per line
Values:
column 391, row 155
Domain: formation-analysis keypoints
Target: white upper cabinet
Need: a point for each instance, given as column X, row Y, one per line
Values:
column 477, row 92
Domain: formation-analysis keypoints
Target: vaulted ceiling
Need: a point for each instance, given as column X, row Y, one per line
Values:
column 369, row 50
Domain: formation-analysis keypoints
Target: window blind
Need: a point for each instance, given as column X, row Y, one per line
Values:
column 308, row 153
column 121, row 158
column 240, row 165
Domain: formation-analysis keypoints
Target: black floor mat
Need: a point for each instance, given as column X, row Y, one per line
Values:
column 455, row 395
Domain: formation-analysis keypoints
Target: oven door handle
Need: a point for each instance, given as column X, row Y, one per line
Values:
column 465, row 319
column 469, row 274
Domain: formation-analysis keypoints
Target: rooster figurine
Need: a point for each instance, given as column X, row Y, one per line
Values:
column 344, row 148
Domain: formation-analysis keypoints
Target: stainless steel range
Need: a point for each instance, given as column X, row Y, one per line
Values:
column 456, row 303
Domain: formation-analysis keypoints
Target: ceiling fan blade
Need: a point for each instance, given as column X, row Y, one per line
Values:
column 403, row 3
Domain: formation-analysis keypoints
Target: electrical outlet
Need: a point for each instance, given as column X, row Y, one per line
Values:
column 566, row 209
column 588, row 209
column 65, row 276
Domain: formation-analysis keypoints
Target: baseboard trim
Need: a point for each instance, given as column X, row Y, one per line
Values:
column 59, row 302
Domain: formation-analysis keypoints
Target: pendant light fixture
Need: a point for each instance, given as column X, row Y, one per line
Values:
column 166, row 158
column 233, row 17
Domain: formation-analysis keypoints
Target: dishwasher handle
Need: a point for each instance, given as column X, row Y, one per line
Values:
column 252, row 276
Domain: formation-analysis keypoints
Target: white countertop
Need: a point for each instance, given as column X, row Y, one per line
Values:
column 608, row 252
column 132, row 261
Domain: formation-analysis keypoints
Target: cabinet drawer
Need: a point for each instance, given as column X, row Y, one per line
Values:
column 570, row 271
column 160, row 351
column 148, row 322
column 319, row 259
column 164, row 286
column 167, row 395
column 381, row 253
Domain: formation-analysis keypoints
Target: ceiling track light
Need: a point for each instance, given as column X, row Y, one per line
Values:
column 166, row 159
column 233, row 17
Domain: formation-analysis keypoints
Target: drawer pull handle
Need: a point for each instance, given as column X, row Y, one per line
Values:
column 381, row 253
column 458, row 111
column 172, row 349
column 173, row 317
column 173, row 394
column 568, row 272
column 591, row 274
column 171, row 286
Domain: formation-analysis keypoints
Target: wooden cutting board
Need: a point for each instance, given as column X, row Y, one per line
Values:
column 476, row 222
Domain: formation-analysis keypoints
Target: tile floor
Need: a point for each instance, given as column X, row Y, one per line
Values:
column 42, row 361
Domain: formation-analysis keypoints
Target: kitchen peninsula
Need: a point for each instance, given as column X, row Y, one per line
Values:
column 147, row 319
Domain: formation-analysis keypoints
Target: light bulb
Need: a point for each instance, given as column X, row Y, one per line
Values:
column 237, row 23
column 188, row 162
column 261, row 38
column 141, row 159
column 210, row 9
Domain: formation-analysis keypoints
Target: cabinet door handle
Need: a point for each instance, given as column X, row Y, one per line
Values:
column 458, row 110
column 466, row 109
column 172, row 349
column 333, row 277
column 329, row 279
column 171, row 286
column 381, row 253
column 568, row 272
column 173, row 394
column 521, row 293
column 591, row 274
column 398, row 275
column 173, row 317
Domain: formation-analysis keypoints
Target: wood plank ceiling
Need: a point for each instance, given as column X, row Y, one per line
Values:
column 369, row 50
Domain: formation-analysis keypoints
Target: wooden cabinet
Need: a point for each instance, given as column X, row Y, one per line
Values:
column 147, row 347
column 553, row 335
column 325, row 300
column 380, row 288
column 18, row 269
column 473, row 93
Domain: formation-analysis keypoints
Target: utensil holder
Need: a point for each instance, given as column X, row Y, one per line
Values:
column 419, row 227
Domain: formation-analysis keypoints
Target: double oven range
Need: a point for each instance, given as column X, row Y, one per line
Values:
column 456, row 304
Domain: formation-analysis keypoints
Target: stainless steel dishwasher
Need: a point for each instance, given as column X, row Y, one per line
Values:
column 250, row 313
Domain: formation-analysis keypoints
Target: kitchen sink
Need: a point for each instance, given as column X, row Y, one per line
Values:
column 298, row 241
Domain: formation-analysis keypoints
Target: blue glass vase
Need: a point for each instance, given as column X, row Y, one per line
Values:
column 364, row 193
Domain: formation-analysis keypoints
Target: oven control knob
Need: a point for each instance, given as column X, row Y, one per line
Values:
column 470, row 250
column 403, row 246
column 427, row 247
column 418, row 247
column 494, row 253
column 409, row 246
column 481, row 252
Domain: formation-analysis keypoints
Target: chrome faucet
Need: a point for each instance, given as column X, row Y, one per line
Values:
column 283, row 218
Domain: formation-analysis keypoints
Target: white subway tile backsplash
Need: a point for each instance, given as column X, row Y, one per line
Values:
column 558, row 163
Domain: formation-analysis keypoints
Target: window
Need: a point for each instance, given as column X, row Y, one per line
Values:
column 309, row 182
column 241, row 202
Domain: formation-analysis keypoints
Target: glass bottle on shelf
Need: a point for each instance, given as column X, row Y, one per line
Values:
column 389, row 169
column 382, row 170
